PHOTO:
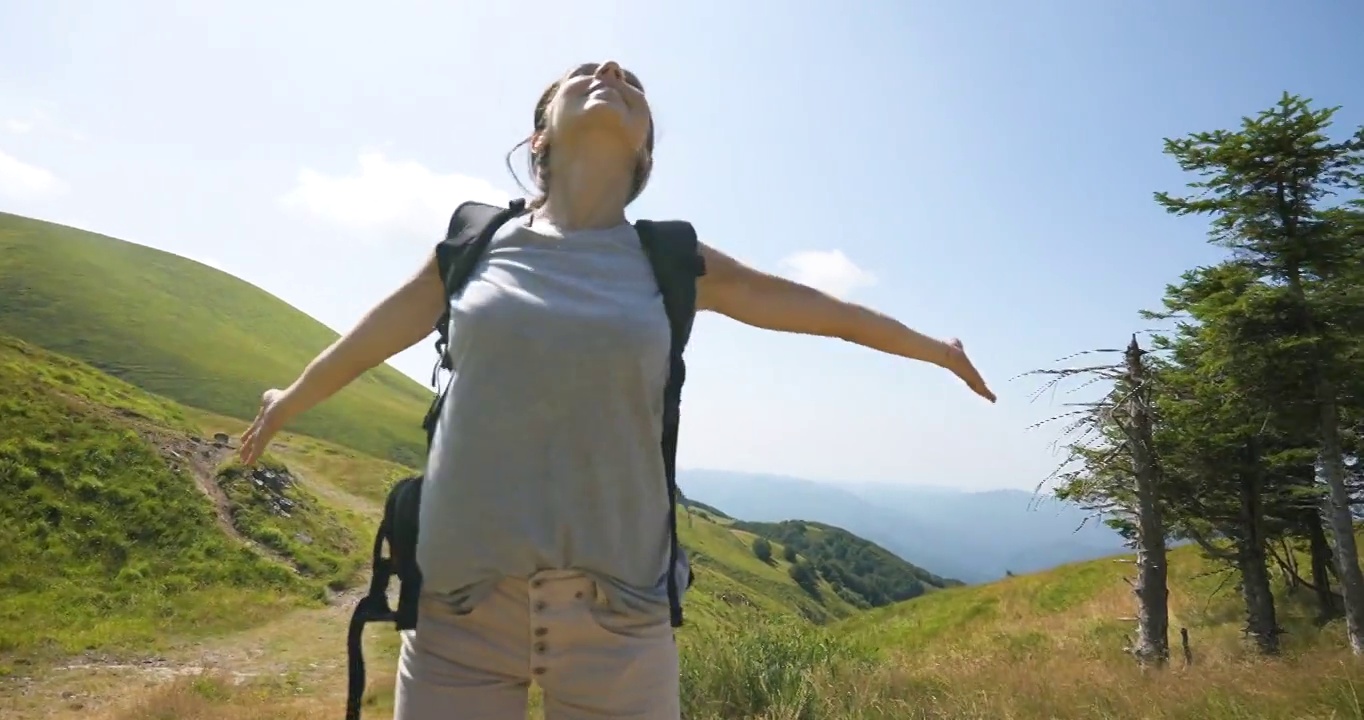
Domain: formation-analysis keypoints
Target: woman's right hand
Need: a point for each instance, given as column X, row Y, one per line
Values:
column 269, row 419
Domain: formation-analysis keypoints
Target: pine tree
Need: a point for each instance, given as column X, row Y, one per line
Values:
column 1269, row 188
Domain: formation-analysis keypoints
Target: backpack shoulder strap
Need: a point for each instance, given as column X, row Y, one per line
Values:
column 458, row 254
column 674, row 254
column 471, row 230
column 466, row 226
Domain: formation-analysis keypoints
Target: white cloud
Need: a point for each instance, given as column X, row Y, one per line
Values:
column 827, row 270
column 17, row 126
column 21, row 181
column 386, row 197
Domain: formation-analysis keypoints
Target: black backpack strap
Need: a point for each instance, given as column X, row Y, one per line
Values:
column 465, row 233
column 675, row 257
column 373, row 607
column 406, row 499
column 471, row 230
column 456, row 262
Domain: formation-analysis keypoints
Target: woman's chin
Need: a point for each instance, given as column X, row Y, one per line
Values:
column 596, row 117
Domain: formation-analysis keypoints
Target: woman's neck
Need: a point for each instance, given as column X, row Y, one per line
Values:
column 589, row 185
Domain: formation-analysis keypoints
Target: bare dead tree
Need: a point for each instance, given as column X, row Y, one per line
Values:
column 1111, row 468
column 1153, row 629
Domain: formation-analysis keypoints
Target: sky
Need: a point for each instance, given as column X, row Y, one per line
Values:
column 977, row 170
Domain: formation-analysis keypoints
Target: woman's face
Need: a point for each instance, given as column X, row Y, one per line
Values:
column 601, row 97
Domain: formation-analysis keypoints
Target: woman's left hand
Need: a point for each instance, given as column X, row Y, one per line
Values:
column 961, row 366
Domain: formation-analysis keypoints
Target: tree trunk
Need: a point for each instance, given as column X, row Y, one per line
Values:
column 1152, row 590
column 1336, row 504
column 1253, row 562
column 1261, row 621
column 1327, row 606
column 1337, row 512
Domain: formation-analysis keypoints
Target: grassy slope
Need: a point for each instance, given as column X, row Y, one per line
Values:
column 1087, row 599
column 1068, row 627
column 125, row 532
column 189, row 332
column 105, row 545
column 320, row 541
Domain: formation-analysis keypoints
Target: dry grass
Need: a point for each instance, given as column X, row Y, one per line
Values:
column 1316, row 686
column 211, row 696
column 775, row 675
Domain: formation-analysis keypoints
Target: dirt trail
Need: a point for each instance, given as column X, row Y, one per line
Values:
column 305, row 650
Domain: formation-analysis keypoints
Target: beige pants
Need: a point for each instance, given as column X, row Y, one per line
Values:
column 591, row 663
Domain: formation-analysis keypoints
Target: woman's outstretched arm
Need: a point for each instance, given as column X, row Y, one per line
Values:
column 770, row 302
column 396, row 323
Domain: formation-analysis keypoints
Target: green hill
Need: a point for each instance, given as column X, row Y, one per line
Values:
column 189, row 332
column 860, row 571
column 1069, row 628
column 733, row 587
column 1033, row 647
column 109, row 536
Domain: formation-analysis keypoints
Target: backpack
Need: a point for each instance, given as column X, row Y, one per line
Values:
column 671, row 247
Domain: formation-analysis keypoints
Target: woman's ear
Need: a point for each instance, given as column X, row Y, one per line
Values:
column 537, row 143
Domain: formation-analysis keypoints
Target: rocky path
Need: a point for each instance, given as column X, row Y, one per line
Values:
column 202, row 458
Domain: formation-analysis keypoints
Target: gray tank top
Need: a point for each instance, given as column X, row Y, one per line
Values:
column 546, row 454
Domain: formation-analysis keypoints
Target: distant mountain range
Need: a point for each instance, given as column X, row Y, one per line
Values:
column 971, row 536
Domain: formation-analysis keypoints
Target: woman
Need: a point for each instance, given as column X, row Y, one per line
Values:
column 547, row 455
